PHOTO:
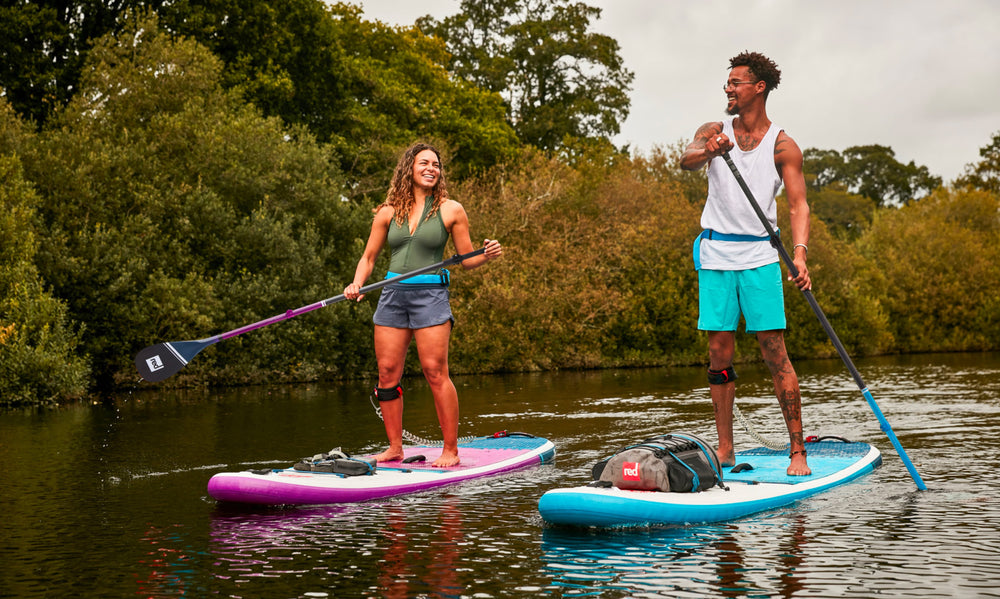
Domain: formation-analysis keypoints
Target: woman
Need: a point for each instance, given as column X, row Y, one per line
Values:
column 416, row 220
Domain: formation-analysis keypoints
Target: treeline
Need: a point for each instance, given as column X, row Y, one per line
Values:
column 163, row 201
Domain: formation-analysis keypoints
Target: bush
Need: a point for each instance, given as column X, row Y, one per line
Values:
column 38, row 344
column 940, row 258
column 175, row 211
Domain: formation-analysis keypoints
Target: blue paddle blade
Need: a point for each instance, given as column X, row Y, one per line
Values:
column 163, row 360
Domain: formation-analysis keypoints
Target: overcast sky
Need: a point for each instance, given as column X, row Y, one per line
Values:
column 919, row 76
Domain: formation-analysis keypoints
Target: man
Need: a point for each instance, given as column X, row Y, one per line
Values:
column 738, row 269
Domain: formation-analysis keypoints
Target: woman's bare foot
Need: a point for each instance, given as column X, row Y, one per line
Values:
column 389, row 455
column 446, row 460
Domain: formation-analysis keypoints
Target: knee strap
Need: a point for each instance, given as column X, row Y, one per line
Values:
column 721, row 377
column 388, row 394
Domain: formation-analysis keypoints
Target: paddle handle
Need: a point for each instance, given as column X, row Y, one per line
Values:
column 776, row 242
column 332, row 300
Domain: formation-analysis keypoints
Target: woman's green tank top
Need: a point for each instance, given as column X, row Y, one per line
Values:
column 423, row 248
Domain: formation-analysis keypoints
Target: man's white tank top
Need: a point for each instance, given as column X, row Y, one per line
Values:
column 729, row 211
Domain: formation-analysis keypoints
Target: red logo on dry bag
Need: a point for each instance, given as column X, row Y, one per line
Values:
column 630, row 471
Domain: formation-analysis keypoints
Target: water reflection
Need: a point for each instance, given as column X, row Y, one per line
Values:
column 161, row 571
column 110, row 501
column 396, row 565
column 388, row 549
column 756, row 558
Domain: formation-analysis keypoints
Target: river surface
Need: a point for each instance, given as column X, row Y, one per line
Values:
column 109, row 500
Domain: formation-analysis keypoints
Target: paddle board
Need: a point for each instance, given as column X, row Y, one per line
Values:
column 481, row 456
column 766, row 486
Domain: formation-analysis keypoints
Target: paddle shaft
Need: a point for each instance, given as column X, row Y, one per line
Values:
column 776, row 242
column 332, row 300
column 161, row 361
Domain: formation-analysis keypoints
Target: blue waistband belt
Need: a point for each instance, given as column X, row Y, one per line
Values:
column 442, row 279
column 710, row 234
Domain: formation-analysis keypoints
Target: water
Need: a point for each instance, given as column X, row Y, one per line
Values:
column 109, row 500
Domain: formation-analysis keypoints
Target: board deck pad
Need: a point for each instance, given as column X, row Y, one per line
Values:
column 765, row 486
column 770, row 466
column 480, row 456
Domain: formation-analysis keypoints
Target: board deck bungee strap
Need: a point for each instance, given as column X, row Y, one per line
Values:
column 337, row 462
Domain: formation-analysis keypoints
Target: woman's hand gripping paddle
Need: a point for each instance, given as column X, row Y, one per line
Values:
column 161, row 361
column 776, row 242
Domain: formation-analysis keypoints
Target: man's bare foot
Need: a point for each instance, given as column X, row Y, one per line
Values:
column 798, row 467
column 389, row 455
column 726, row 457
column 446, row 460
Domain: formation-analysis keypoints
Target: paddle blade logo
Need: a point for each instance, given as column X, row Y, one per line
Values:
column 157, row 362
column 154, row 363
column 630, row 471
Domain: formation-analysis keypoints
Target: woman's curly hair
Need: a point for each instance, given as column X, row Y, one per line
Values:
column 400, row 194
column 762, row 67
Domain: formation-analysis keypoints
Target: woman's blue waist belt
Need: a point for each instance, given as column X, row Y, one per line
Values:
column 440, row 279
column 710, row 234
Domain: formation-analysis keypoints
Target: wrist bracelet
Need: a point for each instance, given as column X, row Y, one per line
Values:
column 800, row 245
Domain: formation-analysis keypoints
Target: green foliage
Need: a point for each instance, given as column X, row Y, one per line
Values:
column 165, row 200
column 363, row 87
column 871, row 171
column 40, row 55
column 845, row 214
column 560, row 81
column 848, row 289
column 174, row 211
column 591, row 276
column 366, row 88
column 531, row 295
column 984, row 174
column 39, row 362
column 940, row 258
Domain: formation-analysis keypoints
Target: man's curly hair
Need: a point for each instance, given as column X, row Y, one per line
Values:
column 762, row 67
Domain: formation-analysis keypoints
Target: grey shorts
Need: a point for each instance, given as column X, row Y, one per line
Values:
column 402, row 308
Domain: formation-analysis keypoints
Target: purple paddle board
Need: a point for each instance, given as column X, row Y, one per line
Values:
column 481, row 456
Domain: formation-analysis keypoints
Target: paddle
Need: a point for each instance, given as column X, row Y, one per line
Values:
column 161, row 361
column 776, row 242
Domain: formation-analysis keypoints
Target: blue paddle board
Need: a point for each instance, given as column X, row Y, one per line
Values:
column 762, row 486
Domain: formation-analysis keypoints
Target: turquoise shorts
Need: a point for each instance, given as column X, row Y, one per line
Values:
column 757, row 293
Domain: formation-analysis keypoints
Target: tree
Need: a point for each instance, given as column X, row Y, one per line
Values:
column 558, row 79
column 846, row 215
column 172, row 210
column 43, row 46
column 984, row 174
column 39, row 359
column 366, row 88
column 940, row 259
column 871, row 171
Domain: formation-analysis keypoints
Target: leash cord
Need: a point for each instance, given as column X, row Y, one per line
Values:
column 748, row 427
column 413, row 438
